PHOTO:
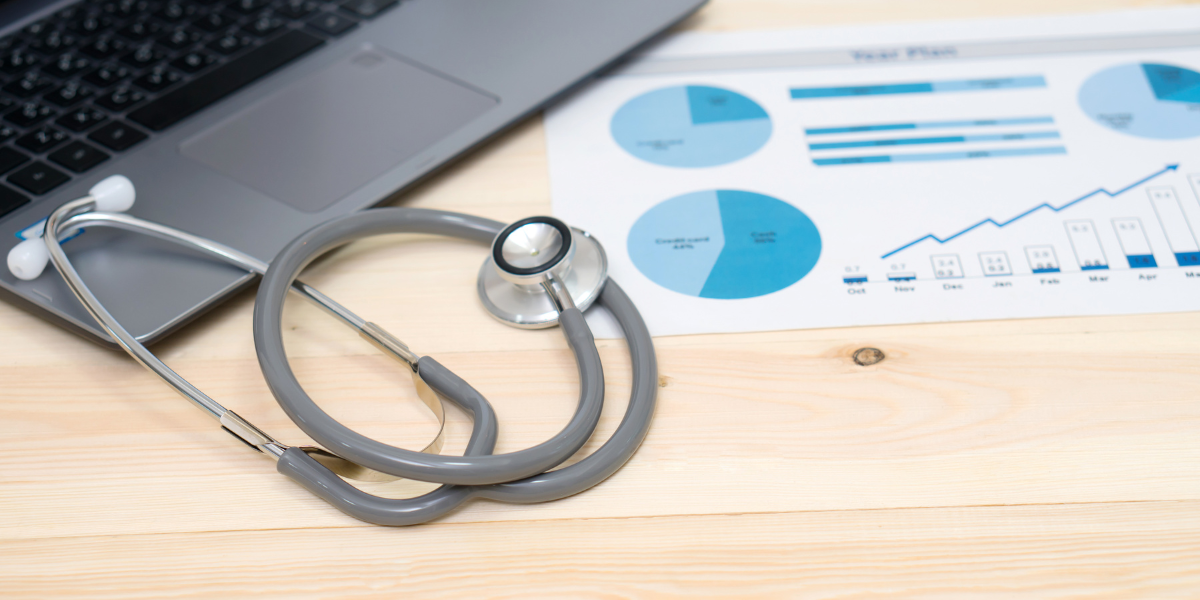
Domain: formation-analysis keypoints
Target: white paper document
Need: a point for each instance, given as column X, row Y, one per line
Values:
column 899, row 174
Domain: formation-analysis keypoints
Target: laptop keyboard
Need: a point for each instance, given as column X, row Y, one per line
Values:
column 100, row 76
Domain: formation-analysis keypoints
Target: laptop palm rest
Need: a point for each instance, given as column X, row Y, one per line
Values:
column 328, row 134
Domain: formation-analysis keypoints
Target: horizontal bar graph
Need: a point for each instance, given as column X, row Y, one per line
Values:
column 930, row 87
column 937, row 156
column 950, row 139
column 930, row 125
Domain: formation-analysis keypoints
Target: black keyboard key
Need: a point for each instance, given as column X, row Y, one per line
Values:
column 247, row 7
column 67, row 65
column 117, row 135
column 194, row 95
column 332, row 23
column 11, row 159
column 7, row 132
column 107, row 76
column 42, row 139
column 215, row 21
column 91, row 23
column 38, row 178
column 6, row 103
column 196, row 60
column 174, row 11
column 10, row 200
column 367, row 8
column 263, row 25
column 68, row 94
column 38, row 28
column 180, row 38
column 104, row 46
column 29, row 113
column 18, row 60
column 297, row 9
column 230, row 43
column 78, row 156
column 54, row 41
column 29, row 84
column 120, row 98
column 140, row 29
column 82, row 119
column 144, row 56
column 125, row 9
column 157, row 79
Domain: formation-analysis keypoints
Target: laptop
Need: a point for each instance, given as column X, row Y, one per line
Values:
column 251, row 121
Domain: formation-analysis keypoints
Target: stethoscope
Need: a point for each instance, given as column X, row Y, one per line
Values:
column 539, row 273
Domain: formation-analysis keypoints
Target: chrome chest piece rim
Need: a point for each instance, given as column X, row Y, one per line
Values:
column 530, row 253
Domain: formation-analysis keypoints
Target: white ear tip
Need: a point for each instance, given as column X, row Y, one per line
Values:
column 113, row 194
column 28, row 259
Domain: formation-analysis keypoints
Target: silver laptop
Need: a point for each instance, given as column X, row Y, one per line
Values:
column 250, row 121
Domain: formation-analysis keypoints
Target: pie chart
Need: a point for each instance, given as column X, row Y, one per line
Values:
column 691, row 126
column 1147, row 100
column 724, row 244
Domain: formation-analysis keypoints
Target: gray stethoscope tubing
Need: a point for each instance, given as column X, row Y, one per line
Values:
column 341, row 440
column 476, row 467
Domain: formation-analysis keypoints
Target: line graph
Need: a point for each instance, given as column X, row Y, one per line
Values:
column 998, row 224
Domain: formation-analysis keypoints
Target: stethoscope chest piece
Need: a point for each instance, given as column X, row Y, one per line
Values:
column 533, row 258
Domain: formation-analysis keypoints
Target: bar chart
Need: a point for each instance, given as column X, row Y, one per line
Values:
column 1157, row 232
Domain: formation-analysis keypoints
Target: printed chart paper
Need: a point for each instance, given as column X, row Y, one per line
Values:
column 933, row 172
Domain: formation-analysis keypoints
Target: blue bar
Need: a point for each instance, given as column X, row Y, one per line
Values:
column 960, row 85
column 851, row 160
column 952, row 139
column 930, row 125
column 1141, row 261
column 1096, row 268
column 862, row 279
column 862, row 90
column 1045, row 270
column 1187, row 259
column 901, row 277
column 855, row 160
column 898, row 142
column 999, row 83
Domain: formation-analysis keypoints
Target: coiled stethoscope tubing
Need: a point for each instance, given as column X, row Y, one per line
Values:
column 475, row 474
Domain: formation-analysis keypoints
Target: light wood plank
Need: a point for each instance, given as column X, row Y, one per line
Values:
column 1127, row 550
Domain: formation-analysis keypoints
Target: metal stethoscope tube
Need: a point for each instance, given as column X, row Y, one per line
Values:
column 520, row 476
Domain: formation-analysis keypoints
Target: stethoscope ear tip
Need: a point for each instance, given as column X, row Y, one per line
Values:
column 27, row 260
column 113, row 194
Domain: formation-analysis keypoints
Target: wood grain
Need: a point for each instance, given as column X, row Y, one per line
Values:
column 1052, row 458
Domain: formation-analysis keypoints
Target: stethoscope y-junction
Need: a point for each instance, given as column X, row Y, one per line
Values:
column 539, row 273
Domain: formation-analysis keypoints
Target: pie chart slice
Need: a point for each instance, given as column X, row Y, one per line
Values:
column 724, row 244
column 691, row 126
column 1147, row 100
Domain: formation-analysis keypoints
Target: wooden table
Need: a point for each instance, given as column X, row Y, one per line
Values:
column 1042, row 458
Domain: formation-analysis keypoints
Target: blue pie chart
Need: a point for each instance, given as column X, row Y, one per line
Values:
column 691, row 126
column 1147, row 100
column 724, row 244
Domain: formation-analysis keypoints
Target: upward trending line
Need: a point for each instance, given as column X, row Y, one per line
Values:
column 1035, row 209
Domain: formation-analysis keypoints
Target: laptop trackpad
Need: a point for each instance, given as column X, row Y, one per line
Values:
column 311, row 144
